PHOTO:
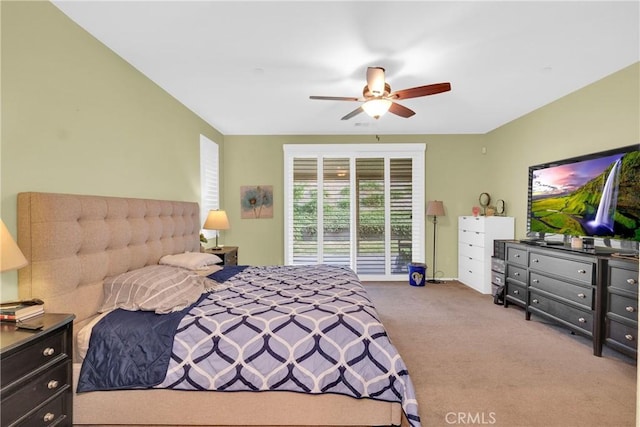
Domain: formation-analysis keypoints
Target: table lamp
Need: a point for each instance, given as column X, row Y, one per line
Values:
column 216, row 220
column 11, row 257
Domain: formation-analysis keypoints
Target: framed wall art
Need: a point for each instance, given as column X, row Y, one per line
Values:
column 256, row 201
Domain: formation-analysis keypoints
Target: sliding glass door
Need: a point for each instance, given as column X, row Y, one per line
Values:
column 356, row 205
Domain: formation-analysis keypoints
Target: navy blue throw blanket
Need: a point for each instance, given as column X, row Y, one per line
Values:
column 129, row 349
column 132, row 349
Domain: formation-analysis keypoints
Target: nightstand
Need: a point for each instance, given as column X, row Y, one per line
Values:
column 229, row 254
column 36, row 373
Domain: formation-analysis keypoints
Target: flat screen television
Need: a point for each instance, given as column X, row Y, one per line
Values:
column 595, row 195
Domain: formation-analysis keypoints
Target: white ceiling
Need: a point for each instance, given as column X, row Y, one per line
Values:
column 248, row 68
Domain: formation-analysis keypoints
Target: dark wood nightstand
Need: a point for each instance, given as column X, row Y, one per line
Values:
column 36, row 373
column 229, row 254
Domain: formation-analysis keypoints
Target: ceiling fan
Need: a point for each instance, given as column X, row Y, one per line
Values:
column 377, row 97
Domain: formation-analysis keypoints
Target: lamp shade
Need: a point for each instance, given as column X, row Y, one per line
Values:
column 376, row 107
column 216, row 220
column 435, row 208
column 11, row 258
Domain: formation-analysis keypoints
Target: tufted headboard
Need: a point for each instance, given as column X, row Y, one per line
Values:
column 72, row 242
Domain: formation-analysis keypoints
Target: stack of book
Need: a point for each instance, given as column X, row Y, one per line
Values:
column 16, row 312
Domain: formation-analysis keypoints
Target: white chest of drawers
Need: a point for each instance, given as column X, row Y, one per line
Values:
column 475, row 247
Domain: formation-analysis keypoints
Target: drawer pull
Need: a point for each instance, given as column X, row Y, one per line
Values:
column 581, row 271
column 52, row 384
column 535, row 260
column 516, row 274
column 49, row 351
column 48, row 417
column 582, row 320
column 582, row 296
column 516, row 256
column 536, row 281
column 516, row 292
column 631, row 281
column 535, row 301
column 629, row 337
column 630, row 309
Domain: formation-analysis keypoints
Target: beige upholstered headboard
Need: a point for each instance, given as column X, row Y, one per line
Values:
column 72, row 242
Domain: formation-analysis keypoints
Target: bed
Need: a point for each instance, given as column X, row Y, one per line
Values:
column 74, row 242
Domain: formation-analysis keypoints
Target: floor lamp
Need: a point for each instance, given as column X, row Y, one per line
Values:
column 435, row 209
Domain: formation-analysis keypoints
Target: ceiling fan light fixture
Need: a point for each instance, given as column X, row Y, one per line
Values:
column 376, row 107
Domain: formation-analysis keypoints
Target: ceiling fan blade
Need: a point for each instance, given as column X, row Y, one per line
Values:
column 375, row 80
column 416, row 92
column 335, row 98
column 401, row 110
column 353, row 113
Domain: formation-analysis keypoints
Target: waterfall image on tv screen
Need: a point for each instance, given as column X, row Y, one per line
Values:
column 598, row 196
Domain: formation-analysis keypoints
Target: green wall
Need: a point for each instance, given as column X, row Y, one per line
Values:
column 601, row 116
column 76, row 118
column 451, row 165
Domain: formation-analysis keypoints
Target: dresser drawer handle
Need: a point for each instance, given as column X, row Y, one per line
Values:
column 582, row 296
column 536, row 281
column 52, row 384
column 516, row 274
column 630, row 309
column 581, row 271
column 49, row 351
column 516, row 256
column 535, row 301
column 631, row 281
column 535, row 260
column 582, row 320
column 516, row 292
column 629, row 337
column 48, row 417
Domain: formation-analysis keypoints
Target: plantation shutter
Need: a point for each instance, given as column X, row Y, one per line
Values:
column 355, row 205
column 209, row 180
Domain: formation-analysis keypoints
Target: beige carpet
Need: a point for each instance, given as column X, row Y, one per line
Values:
column 476, row 363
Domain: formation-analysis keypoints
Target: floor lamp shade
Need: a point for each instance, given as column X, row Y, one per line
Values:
column 11, row 257
column 216, row 220
column 435, row 208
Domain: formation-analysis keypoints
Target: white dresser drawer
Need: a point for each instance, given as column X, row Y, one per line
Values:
column 473, row 223
column 470, row 251
column 476, row 238
column 472, row 273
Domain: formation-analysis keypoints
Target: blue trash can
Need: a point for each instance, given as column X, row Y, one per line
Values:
column 417, row 273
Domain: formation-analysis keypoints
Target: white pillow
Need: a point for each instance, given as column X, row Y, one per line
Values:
column 191, row 260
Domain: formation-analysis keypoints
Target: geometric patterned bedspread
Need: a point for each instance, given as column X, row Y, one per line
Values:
column 310, row 329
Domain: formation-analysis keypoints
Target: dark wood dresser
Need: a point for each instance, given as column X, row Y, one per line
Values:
column 36, row 373
column 621, row 320
column 594, row 295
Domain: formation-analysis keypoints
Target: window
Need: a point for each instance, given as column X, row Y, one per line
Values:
column 209, row 180
column 355, row 205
